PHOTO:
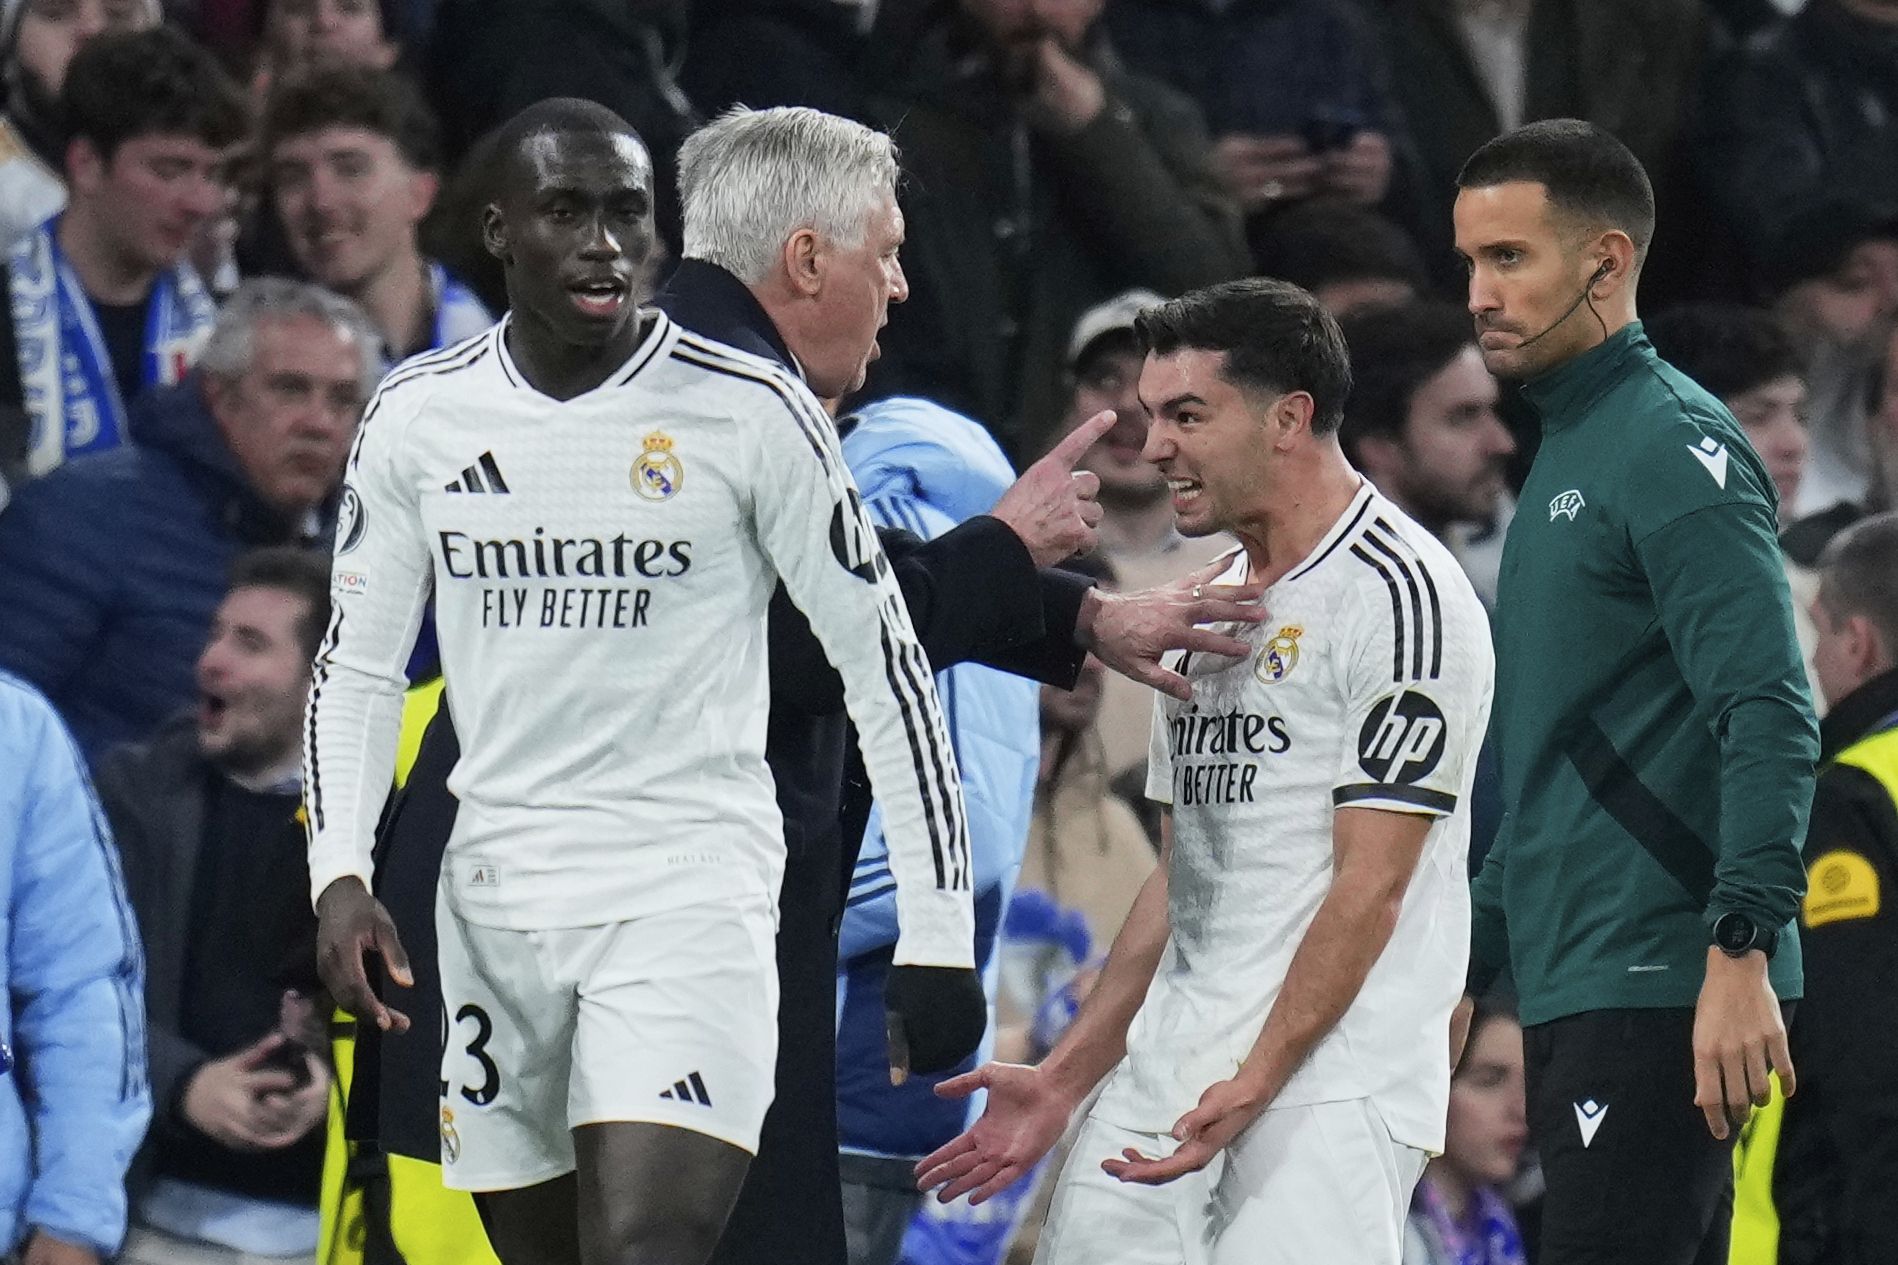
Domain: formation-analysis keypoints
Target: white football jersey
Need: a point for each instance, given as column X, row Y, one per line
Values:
column 1368, row 687
column 601, row 569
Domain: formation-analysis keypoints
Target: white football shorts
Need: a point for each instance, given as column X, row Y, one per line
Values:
column 667, row 1019
column 1323, row 1183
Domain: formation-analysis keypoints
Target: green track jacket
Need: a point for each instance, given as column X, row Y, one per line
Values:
column 1652, row 718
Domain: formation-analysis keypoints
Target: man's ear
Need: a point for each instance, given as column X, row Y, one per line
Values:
column 494, row 233
column 804, row 259
column 1292, row 416
column 1614, row 267
column 85, row 167
column 1869, row 654
column 1376, row 454
column 422, row 191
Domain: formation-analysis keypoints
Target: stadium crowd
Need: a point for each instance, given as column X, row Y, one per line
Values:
column 224, row 222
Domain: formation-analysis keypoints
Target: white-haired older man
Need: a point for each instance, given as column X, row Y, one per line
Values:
column 792, row 235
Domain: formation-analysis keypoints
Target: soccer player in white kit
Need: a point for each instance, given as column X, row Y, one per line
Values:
column 1273, row 1021
column 600, row 504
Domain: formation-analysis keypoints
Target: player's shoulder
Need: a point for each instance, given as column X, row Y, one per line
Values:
column 1393, row 568
column 733, row 369
column 465, row 365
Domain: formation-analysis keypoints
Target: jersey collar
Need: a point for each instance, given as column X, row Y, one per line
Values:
column 1562, row 395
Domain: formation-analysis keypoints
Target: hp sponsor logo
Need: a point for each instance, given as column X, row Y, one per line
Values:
column 1402, row 739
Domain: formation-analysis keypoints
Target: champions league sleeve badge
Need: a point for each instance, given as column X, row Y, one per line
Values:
column 1279, row 657
column 658, row 474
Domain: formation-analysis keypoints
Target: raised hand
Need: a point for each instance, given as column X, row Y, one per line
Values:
column 1026, row 1115
column 1129, row 632
column 1052, row 507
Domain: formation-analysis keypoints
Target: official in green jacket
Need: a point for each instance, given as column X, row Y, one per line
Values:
column 1652, row 722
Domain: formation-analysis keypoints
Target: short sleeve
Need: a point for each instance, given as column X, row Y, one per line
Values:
column 1416, row 688
column 1160, row 755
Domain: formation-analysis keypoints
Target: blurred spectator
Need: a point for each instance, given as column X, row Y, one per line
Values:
column 1295, row 91
column 763, row 53
column 75, row 1105
column 1421, row 423
column 114, row 565
column 37, row 41
column 1750, row 363
column 1837, row 1163
column 1459, row 1213
column 1087, row 851
column 923, row 469
column 1837, row 293
column 302, row 34
column 1349, row 258
column 103, row 303
column 1745, row 358
column 206, row 815
column 1467, row 70
column 353, row 160
column 1799, row 126
column 1138, row 539
column 1042, row 177
column 1807, row 538
column 489, row 61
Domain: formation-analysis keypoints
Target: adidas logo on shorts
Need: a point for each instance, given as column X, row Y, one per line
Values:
column 693, row 1092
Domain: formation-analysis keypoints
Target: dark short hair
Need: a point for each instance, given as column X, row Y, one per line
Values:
column 1394, row 351
column 1487, row 1010
column 140, row 83
column 303, row 573
column 557, row 115
column 1275, row 335
column 1726, row 348
column 1858, row 574
column 378, row 101
column 1589, row 174
column 1327, row 241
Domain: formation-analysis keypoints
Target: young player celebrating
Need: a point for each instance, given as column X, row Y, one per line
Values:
column 601, row 504
column 1276, row 1011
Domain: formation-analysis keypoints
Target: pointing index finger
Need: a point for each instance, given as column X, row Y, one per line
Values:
column 1075, row 444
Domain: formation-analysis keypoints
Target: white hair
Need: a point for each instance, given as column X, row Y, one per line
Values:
column 233, row 341
column 751, row 178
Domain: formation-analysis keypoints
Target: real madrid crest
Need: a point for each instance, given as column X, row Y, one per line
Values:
column 658, row 473
column 451, row 1141
column 1279, row 657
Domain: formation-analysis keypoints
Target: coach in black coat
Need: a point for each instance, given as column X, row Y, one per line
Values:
column 974, row 594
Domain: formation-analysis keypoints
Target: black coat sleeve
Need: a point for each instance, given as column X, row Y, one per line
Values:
column 1838, row 1158
column 974, row 595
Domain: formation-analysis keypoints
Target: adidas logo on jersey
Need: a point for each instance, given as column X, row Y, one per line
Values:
column 692, row 1090
column 472, row 479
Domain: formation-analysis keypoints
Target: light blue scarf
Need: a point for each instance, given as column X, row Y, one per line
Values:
column 66, row 376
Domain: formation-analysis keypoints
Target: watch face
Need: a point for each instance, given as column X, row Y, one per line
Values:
column 1734, row 933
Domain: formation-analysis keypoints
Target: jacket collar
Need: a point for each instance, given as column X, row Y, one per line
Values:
column 708, row 300
column 1562, row 395
column 177, row 421
column 1858, row 714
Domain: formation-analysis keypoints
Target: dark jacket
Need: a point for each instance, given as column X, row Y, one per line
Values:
column 112, row 566
column 972, row 594
column 1630, row 66
column 1014, row 232
column 154, row 794
column 1799, row 132
column 1837, row 1164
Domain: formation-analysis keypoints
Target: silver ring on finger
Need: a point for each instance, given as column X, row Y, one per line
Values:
column 1197, row 592
column 1272, row 190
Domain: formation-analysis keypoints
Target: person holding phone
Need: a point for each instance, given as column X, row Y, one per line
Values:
column 208, row 825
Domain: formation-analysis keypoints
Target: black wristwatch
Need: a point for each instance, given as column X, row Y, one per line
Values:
column 1735, row 934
